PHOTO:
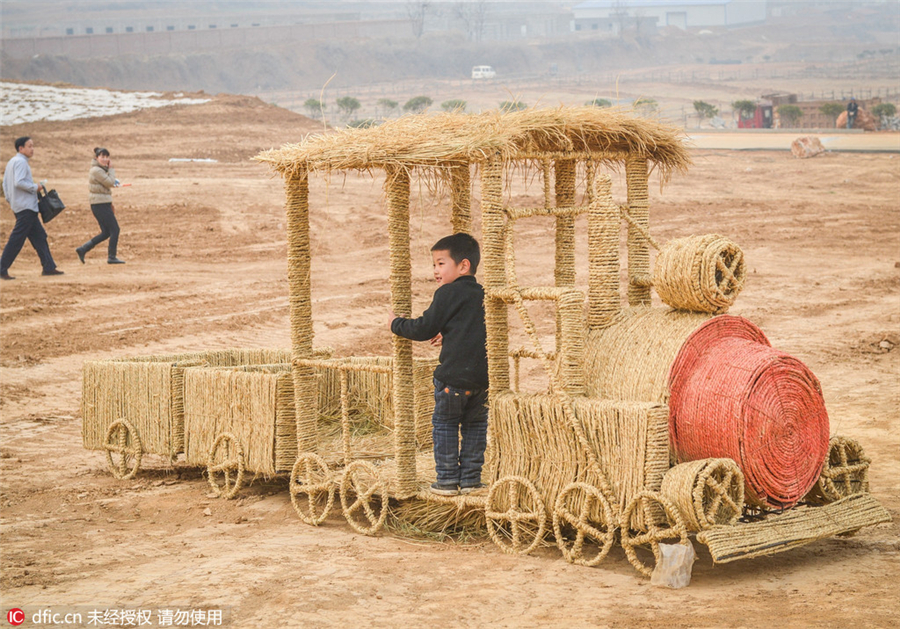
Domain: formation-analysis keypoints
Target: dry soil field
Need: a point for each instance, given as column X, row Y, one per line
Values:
column 205, row 249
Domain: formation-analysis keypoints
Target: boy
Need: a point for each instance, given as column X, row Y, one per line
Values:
column 455, row 321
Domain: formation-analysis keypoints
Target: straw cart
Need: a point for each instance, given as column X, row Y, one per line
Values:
column 241, row 419
column 135, row 406
column 625, row 445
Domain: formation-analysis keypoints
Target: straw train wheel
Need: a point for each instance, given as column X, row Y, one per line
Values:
column 589, row 498
column 362, row 480
column 515, row 515
column 226, row 459
column 729, row 272
column 123, row 440
column 311, row 477
column 846, row 470
column 652, row 505
column 720, row 497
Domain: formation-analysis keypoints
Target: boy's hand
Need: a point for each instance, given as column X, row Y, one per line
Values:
column 437, row 341
column 392, row 317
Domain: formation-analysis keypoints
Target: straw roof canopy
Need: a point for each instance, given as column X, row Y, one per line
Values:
column 424, row 140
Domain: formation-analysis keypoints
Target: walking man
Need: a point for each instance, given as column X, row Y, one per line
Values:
column 21, row 194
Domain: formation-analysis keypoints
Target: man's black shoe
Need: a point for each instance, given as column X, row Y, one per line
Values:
column 53, row 272
column 6, row 276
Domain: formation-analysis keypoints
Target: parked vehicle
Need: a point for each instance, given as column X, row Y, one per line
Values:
column 483, row 72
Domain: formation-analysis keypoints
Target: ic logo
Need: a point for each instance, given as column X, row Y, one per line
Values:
column 15, row 616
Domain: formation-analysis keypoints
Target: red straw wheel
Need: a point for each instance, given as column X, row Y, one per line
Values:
column 733, row 396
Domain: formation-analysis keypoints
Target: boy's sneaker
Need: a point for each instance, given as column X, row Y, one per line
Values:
column 469, row 490
column 444, row 490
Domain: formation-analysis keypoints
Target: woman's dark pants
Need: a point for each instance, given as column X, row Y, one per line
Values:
column 109, row 228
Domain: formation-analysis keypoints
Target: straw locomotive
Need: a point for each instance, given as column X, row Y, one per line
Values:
column 657, row 422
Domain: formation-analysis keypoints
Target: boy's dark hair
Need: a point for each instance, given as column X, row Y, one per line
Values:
column 461, row 247
column 20, row 142
column 100, row 151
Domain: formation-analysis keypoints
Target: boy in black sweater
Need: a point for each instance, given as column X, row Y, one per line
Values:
column 455, row 321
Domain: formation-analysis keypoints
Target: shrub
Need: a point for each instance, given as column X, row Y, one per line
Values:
column 705, row 110
column 417, row 104
column 832, row 110
column 789, row 114
column 645, row 106
column 454, row 105
column 512, row 105
column 365, row 123
column 348, row 105
column 314, row 107
column 602, row 103
column 387, row 104
column 745, row 108
column 884, row 110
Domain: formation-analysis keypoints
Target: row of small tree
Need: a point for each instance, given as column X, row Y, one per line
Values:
column 348, row 106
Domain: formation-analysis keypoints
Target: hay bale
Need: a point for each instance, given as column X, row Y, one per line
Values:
column 630, row 359
column 699, row 273
column 807, row 146
column 532, row 438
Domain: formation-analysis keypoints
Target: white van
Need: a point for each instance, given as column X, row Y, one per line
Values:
column 483, row 72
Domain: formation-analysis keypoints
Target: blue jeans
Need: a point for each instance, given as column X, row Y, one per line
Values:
column 459, row 430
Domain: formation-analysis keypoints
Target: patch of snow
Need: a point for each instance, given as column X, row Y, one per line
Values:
column 21, row 102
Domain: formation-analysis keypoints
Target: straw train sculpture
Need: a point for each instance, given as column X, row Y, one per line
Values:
column 658, row 423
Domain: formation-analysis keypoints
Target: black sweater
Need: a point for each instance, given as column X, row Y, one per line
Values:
column 457, row 313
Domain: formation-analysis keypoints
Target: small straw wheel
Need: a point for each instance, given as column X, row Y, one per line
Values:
column 846, row 472
column 655, row 508
column 515, row 515
column 699, row 273
column 122, row 439
column 583, row 498
column 361, row 480
column 708, row 492
column 226, row 458
column 311, row 477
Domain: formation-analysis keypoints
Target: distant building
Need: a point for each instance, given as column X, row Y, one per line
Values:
column 611, row 16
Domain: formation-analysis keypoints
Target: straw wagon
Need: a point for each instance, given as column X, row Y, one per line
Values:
column 657, row 422
column 240, row 419
column 135, row 406
column 232, row 411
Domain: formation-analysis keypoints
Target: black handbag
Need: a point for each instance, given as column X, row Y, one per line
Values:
column 50, row 205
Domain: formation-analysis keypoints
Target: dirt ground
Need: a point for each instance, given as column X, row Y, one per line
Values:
column 206, row 269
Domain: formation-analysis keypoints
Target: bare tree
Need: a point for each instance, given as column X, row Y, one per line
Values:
column 620, row 15
column 472, row 13
column 416, row 10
